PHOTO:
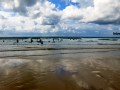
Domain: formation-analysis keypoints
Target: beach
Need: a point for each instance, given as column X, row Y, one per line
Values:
column 69, row 65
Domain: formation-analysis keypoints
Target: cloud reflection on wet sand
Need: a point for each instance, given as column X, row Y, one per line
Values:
column 64, row 74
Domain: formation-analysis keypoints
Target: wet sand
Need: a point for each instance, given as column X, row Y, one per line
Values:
column 27, row 68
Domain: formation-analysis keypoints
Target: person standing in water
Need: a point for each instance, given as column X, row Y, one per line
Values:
column 17, row 41
column 40, row 41
column 31, row 40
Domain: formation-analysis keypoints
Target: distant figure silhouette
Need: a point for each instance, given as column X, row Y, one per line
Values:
column 17, row 41
column 3, row 41
column 40, row 41
column 61, row 39
column 53, row 40
column 31, row 40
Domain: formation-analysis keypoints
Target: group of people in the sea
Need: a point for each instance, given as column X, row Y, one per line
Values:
column 41, row 41
column 31, row 40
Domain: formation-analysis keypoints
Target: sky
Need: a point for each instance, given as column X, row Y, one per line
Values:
column 59, row 17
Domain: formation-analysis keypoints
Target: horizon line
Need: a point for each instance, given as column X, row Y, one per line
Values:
column 65, row 37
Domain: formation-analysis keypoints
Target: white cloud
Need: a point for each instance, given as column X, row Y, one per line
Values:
column 41, row 16
column 45, row 13
column 103, row 11
column 74, row 1
column 72, row 12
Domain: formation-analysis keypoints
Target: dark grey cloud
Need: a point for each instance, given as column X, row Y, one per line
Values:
column 2, row 17
column 103, row 22
column 21, row 6
column 29, row 2
column 51, row 20
column 36, row 15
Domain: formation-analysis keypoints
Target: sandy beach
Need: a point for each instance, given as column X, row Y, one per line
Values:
column 30, row 67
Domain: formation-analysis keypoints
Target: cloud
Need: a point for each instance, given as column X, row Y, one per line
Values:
column 83, row 3
column 72, row 12
column 42, row 16
column 74, row 1
column 2, row 17
column 19, row 6
column 102, row 12
column 41, row 11
column 51, row 20
column 45, row 13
